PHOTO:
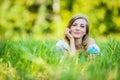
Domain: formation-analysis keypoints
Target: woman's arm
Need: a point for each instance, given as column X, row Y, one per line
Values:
column 72, row 47
column 92, row 49
column 72, row 43
column 62, row 46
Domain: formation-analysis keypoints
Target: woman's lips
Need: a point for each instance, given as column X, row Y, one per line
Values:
column 77, row 32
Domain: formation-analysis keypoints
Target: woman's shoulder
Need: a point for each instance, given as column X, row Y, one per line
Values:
column 92, row 47
column 91, row 41
column 62, row 44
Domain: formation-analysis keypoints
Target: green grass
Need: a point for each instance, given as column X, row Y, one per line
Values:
column 40, row 60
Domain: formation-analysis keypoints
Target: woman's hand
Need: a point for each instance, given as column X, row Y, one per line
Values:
column 67, row 33
column 72, row 43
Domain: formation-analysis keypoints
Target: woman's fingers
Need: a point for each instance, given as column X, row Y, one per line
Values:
column 67, row 33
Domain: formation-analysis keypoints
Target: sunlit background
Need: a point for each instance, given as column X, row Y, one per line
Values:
column 39, row 19
column 29, row 30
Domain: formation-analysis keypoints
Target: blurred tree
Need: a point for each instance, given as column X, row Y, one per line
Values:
column 22, row 18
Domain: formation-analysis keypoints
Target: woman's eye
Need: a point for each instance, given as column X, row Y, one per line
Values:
column 82, row 26
column 74, row 24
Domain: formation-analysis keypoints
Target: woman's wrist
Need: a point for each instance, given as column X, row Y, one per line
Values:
column 72, row 46
column 72, row 40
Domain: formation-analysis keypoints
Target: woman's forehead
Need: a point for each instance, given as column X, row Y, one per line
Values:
column 80, row 21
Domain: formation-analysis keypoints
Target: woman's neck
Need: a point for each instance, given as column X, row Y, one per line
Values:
column 78, row 43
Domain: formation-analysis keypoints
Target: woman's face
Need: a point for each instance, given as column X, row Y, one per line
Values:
column 78, row 28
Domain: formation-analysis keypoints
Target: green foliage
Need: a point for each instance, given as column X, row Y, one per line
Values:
column 21, row 18
column 40, row 60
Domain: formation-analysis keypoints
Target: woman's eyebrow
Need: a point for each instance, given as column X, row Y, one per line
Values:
column 75, row 23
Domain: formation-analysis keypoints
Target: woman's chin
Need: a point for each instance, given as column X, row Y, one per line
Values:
column 77, row 36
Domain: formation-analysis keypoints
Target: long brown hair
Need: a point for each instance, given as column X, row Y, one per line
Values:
column 86, row 36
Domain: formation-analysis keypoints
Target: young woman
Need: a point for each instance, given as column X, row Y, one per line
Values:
column 77, row 37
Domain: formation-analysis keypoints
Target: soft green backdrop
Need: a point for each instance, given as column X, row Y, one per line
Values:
column 48, row 18
column 25, row 21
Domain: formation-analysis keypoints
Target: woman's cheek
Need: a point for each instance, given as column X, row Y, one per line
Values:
column 83, row 30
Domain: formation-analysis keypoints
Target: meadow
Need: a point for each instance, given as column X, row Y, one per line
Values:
column 40, row 60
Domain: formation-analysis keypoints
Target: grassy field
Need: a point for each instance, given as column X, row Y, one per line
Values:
column 40, row 60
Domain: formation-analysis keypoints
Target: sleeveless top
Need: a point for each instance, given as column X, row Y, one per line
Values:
column 92, row 49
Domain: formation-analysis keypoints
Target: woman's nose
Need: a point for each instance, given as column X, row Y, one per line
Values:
column 78, row 28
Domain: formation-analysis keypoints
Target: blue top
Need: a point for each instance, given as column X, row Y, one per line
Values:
column 93, row 49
